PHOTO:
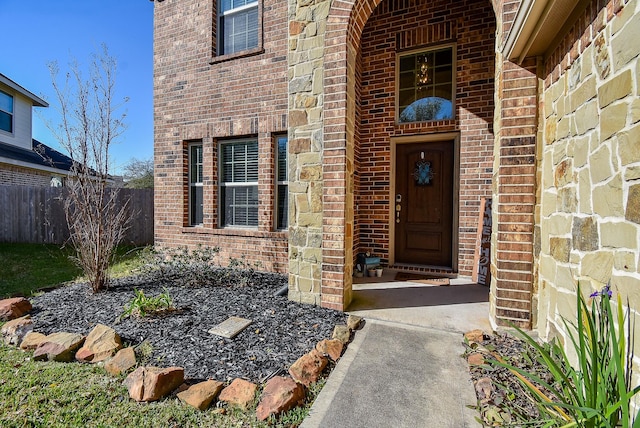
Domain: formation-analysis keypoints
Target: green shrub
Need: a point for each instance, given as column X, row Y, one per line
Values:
column 597, row 391
column 143, row 305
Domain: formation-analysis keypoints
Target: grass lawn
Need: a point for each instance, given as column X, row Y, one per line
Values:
column 26, row 268
column 51, row 394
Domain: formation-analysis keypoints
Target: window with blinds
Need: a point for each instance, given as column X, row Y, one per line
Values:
column 239, row 183
column 282, row 184
column 238, row 26
column 195, row 184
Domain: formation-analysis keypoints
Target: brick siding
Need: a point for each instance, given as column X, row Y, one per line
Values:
column 394, row 27
column 199, row 97
column 21, row 176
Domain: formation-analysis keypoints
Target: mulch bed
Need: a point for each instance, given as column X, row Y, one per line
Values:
column 281, row 330
column 502, row 400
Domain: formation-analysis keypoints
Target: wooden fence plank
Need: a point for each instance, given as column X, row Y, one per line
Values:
column 36, row 215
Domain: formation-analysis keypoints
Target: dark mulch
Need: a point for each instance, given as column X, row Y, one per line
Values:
column 502, row 400
column 281, row 331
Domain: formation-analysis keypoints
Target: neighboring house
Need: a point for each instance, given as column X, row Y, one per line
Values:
column 299, row 134
column 23, row 160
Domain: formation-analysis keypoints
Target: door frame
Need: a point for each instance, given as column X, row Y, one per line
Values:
column 426, row 138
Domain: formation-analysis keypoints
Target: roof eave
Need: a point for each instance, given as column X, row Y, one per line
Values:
column 537, row 27
column 37, row 101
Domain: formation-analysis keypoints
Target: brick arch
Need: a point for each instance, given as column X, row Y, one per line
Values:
column 345, row 25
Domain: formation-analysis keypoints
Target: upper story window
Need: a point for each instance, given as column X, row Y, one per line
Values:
column 239, row 183
column 237, row 26
column 6, row 112
column 426, row 85
column 195, row 184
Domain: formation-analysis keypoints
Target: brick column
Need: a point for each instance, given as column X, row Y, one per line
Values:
column 514, row 194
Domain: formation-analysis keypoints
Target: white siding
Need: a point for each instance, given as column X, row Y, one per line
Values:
column 22, row 110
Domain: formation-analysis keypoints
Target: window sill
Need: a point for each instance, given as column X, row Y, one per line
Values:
column 250, row 233
column 236, row 55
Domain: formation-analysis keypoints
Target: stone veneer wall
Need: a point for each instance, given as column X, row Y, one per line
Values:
column 590, row 165
column 307, row 27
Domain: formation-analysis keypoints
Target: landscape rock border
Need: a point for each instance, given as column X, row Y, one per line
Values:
column 148, row 383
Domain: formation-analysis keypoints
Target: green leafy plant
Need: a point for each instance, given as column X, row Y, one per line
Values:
column 597, row 390
column 143, row 305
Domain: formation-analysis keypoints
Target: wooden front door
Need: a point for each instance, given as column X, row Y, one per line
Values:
column 424, row 203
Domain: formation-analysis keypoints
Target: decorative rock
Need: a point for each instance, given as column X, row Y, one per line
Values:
column 202, row 394
column 15, row 330
column 353, row 322
column 474, row 336
column 307, row 369
column 153, row 383
column 332, row 348
column 101, row 343
column 240, row 393
column 121, row 362
column 484, row 387
column 58, row 347
column 279, row 395
column 342, row 333
column 32, row 340
column 475, row 359
column 14, row 308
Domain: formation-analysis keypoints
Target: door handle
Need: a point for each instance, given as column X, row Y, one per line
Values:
column 398, row 207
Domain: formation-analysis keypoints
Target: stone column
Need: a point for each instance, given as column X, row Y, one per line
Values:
column 307, row 25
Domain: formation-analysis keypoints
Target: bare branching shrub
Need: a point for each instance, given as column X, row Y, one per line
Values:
column 90, row 123
column 199, row 266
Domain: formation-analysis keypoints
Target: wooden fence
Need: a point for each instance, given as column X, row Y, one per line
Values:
column 36, row 215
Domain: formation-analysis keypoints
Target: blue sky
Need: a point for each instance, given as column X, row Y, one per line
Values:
column 36, row 32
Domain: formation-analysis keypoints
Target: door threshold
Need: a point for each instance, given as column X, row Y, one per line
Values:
column 426, row 269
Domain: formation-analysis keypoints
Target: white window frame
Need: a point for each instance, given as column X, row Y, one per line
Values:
column 280, row 183
column 197, row 182
column 223, row 44
column 223, row 185
column 10, row 113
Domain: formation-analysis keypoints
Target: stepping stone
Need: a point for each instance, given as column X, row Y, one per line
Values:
column 231, row 327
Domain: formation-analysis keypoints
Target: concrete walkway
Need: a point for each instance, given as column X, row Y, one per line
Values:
column 404, row 367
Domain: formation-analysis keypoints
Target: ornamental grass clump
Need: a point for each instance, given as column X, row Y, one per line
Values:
column 143, row 305
column 597, row 390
